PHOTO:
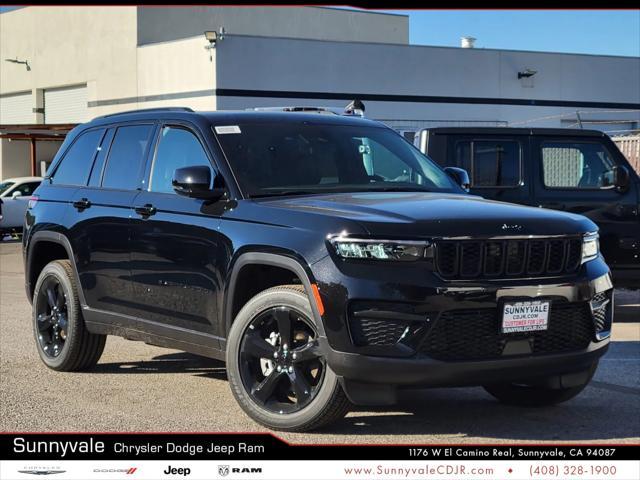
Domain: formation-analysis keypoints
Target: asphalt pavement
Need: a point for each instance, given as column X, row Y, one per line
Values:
column 140, row 388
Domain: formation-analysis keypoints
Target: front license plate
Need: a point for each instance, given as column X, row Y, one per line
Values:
column 525, row 316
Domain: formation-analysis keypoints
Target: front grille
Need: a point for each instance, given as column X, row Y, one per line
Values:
column 463, row 259
column 376, row 332
column 476, row 334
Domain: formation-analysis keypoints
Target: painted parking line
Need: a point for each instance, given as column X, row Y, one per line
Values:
column 615, row 388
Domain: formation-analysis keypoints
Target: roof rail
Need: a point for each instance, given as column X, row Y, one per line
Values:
column 355, row 108
column 143, row 110
column 293, row 108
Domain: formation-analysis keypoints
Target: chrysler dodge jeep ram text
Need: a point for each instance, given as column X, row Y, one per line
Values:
column 322, row 256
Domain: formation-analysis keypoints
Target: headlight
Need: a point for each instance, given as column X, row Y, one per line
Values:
column 389, row 250
column 590, row 247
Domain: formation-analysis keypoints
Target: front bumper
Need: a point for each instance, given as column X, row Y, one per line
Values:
column 407, row 363
column 426, row 372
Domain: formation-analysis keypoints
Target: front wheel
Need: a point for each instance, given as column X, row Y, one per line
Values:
column 532, row 395
column 276, row 370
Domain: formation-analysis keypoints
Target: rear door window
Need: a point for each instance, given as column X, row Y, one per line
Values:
column 76, row 163
column 490, row 163
column 576, row 165
column 96, row 171
column 126, row 157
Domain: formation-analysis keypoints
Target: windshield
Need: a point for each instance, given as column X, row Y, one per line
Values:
column 4, row 186
column 299, row 158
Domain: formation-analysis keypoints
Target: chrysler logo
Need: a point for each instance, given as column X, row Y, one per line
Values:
column 41, row 472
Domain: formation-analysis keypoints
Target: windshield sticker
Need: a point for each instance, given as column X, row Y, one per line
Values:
column 226, row 129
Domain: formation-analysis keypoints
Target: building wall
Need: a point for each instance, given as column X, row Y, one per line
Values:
column 177, row 73
column 14, row 156
column 70, row 46
column 350, row 70
column 165, row 24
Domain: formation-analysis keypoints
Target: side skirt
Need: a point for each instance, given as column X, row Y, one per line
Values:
column 153, row 333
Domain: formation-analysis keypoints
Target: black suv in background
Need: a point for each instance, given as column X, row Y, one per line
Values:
column 578, row 171
column 322, row 256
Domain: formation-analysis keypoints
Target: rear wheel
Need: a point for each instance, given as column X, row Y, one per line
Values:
column 537, row 395
column 62, row 339
column 276, row 370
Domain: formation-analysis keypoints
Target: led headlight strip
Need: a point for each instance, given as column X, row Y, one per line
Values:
column 385, row 250
column 590, row 246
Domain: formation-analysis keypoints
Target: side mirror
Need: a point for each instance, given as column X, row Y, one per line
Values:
column 460, row 176
column 621, row 178
column 16, row 194
column 195, row 182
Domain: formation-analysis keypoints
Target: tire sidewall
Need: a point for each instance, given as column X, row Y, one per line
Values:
column 257, row 305
column 56, row 270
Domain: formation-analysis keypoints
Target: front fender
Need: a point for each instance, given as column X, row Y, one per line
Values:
column 281, row 258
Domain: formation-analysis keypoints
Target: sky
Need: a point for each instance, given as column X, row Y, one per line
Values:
column 594, row 32
column 587, row 31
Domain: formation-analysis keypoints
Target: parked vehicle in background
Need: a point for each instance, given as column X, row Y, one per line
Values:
column 579, row 171
column 14, row 199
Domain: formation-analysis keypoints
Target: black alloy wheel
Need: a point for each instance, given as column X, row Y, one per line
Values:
column 52, row 317
column 281, row 366
column 62, row 339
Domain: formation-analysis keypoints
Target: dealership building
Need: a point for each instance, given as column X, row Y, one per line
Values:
column 60, row 66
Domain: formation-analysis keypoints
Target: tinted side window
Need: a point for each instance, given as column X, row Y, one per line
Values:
column 490, row 163
column 577, row 165
column 98, row 164
column 27, row 188
column 75, row 166
column 178, row 148
column 126, row 157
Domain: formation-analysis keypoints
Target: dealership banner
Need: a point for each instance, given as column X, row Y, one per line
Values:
column 264, row 456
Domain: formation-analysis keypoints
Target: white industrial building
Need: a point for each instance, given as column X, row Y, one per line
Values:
column 64, row 65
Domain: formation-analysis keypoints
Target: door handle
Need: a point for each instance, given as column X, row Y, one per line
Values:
column 82, row 204
column 554, row 206
column 146, row 210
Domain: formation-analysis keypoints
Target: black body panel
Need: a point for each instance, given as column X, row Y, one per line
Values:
column 166, row 269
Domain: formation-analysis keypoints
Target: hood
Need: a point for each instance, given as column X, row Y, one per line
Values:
column 419, row 214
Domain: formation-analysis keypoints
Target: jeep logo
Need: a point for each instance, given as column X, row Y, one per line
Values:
column 177, row 471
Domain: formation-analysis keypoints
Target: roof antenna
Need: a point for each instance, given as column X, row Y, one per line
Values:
column 356, row 107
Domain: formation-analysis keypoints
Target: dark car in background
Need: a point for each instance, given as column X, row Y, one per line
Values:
column 322, row 256
column 578, row 171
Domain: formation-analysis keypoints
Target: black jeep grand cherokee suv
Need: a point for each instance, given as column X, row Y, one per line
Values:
column 322, row 256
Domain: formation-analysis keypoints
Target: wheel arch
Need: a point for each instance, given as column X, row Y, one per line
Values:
column 36, row 260
column 278, row 260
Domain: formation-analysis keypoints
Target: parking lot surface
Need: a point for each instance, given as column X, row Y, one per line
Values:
column 137, row 387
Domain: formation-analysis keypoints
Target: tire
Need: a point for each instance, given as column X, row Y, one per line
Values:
column 80, row 349
column 328, row 402
column 525, row 395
